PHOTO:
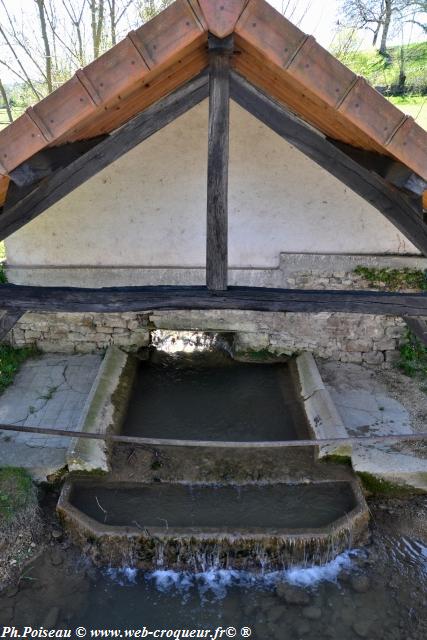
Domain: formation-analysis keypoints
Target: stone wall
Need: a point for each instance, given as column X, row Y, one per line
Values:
column 340, row 336
column 80, row 332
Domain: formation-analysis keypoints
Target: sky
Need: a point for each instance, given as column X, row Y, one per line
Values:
column 319, row 20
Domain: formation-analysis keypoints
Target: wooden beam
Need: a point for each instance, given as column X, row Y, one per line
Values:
column 55, row 187
column 391, row 170
column 218, row 144
column 111, row 300
column 49, row 160
column 402, row 212
column 8, row 319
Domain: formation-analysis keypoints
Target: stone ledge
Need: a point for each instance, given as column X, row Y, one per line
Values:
column 322, row 415
column 102, row 413
column 311, row 265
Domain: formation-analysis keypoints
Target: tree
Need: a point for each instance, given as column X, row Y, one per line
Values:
column 116, row 12
column 48, row 56
column 147, row 9
column 380, row 16
column 97, row 24
column 6, row 102
column 44, row 44
column 295, row 10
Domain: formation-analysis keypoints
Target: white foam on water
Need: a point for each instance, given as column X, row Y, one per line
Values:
column 125, row 576
column 217, row 581
column 310, row 576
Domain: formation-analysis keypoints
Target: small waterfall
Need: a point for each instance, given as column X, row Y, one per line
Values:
column 262, row 555
column 189, row 342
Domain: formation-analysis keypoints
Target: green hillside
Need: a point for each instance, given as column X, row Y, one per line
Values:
column 384, row 71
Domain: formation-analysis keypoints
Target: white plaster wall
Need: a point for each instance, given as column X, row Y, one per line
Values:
column 149, row 207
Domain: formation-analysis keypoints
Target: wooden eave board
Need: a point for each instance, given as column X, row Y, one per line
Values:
column 116, row 113
column 169, row 50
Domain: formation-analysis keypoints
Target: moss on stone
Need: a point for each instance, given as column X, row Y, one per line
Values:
column 337, row 458
column 393, row 279
column 261, row 356
column 378, row 486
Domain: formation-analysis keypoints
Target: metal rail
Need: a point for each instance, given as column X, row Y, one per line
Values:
column 150, row 442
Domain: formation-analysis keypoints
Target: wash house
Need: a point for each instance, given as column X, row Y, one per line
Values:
column 216, row 170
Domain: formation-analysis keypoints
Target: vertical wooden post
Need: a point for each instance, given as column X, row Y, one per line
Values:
column 217, row 188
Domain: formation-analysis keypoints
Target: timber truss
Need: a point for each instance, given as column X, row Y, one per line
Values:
column 48, row 176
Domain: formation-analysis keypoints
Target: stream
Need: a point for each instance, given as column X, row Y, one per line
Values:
column 376, row 592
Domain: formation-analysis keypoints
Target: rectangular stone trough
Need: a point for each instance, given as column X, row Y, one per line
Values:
column 229, row 421
column 193, row 527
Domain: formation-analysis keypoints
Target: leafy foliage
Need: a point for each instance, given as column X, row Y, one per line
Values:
column 413, row 357
column 394, row 279
column 3, row 277
column 10, row 361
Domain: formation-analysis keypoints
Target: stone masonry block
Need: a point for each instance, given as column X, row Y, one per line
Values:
column 375, row 357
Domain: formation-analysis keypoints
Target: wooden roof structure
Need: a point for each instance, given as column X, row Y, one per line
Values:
column 163, row 54
column 221, row 49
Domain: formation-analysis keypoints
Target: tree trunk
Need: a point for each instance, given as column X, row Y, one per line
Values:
column 46, row 44
column 376, row 33
column 97, row 23
column 386, row 26
column 402, row 74
column 112, row 7
column 3, row 94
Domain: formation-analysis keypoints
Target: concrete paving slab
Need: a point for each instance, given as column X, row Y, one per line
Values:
column 49, row 391
column 367, row 402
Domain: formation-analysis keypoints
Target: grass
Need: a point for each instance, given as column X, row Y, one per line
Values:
column 17, row 494
column 394, row 279
column 21, row 526
column 16, row 112
column 384, row 71
column 10, row 362
column 415, row 106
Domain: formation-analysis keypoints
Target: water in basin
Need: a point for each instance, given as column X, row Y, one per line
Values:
column 220, row 400
column 227, row 507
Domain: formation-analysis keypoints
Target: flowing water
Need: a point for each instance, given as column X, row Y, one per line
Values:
column 376, row 592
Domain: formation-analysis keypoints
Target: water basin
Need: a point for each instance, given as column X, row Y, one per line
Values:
column 213, row 398
column 241, row 526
